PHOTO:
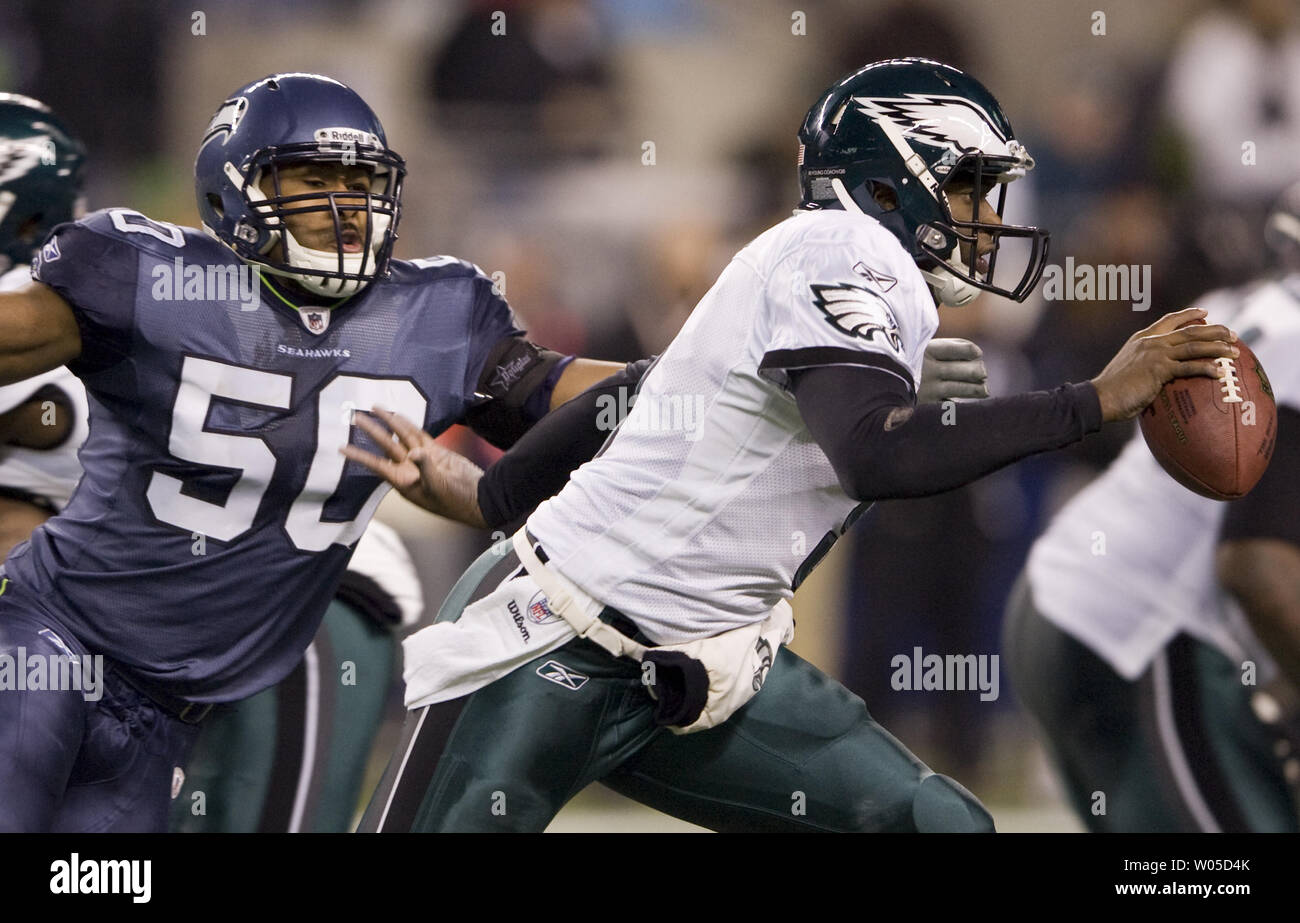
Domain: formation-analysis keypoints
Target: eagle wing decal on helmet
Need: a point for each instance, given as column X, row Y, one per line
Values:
column 948, row 121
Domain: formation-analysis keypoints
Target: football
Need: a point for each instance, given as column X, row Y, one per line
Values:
column 1215, row 436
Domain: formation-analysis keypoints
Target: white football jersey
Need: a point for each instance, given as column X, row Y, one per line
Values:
column 1130, row 561
column 696, row 516
column 51, row 473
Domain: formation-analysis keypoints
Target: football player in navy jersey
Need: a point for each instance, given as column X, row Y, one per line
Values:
column 216, row 514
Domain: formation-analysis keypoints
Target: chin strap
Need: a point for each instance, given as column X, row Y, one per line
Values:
column 949, row 289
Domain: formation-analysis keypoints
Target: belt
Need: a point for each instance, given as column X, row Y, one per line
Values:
column 181, row 709
column 569, row 602
column 609, row 615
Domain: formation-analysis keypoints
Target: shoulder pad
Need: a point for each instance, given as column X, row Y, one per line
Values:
column 157, row 237
column 429, row 268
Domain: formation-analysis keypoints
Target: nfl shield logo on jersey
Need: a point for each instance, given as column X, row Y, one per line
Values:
column 316, row 321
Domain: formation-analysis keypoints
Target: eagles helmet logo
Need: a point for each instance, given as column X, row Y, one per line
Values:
column 944, row 121
column 858, row 312
column 20, row 157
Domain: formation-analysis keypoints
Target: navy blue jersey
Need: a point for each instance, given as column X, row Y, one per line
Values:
column 216, row 515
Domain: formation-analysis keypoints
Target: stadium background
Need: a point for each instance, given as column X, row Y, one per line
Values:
column 528, row 155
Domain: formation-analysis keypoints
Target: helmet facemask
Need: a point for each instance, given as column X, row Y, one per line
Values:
column 957, row 279
column 333, row 274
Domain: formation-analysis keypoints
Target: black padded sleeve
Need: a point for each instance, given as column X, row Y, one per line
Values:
column 1269, row 510
column 541, row 461
column 940, row 446
column 514, row 390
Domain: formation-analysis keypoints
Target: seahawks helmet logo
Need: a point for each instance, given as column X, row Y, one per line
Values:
column 225, row 121
column 858, row 312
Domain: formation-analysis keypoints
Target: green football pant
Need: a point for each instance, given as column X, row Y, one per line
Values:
column 293, row 757
column 1177, row 750
column 802, row 755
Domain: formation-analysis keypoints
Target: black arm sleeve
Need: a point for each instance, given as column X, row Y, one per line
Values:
column 941, row 446
column 541, row 461
column 1269, row 510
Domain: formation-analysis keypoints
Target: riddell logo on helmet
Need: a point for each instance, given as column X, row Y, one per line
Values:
column 346, row 136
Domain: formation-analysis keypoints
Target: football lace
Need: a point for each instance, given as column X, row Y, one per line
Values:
column 1228, row 381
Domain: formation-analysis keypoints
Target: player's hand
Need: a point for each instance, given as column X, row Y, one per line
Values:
column 430, row 476
column 952, row 368
column 1157, row 355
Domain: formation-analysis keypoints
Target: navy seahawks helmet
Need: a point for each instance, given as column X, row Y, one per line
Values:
column 285, row 120
column 40, row 176
column 917, row 127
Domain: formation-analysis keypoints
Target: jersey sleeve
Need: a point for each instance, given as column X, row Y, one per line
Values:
column 491, row 321
column 96, row 273
column 844, row 299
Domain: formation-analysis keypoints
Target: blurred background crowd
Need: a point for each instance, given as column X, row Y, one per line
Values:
column 609, row 156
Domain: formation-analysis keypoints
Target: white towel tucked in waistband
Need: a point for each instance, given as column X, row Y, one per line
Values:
column 499, row 633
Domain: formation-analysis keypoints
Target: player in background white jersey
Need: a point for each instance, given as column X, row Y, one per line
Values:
column 784, row 406
column 1150, row 619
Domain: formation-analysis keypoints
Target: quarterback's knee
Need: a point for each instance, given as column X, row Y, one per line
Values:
column 941, row 805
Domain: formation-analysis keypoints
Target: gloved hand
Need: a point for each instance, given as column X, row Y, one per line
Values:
column 952, row 368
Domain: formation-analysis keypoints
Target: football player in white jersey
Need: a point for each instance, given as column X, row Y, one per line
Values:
column 1149, row 619
column 632, row 633
column 42, row 419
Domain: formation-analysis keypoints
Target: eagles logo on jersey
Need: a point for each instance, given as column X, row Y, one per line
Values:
column 859, row 312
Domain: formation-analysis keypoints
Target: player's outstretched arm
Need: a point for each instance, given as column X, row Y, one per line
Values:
column 38, row 332
column 578, row 376
column 521, row 382
column 534, row 469
column 883, row 446
column 439, row 480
